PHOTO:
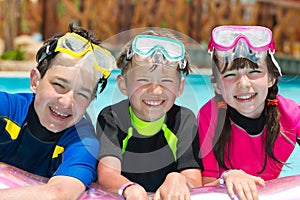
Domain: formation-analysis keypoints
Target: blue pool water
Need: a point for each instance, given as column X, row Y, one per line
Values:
column 198, row 90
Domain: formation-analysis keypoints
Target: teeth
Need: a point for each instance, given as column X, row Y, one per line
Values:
column 59, row 113
column 153, row 103
column 244, row 97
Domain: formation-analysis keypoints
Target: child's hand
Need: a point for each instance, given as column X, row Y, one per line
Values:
column 173, row 188
column 135, row 192
column 243, row 183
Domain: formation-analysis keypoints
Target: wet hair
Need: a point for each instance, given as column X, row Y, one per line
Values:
column 124, row 64
column 46, row 53
column 223, row 133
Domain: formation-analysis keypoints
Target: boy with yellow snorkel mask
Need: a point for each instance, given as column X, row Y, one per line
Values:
column 149, row 143
column 45, row 133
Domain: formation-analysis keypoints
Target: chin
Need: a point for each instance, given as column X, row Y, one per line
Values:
column 54, row 129
column 152, row 118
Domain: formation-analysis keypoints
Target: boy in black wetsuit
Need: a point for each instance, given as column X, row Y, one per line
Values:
column 149, row 144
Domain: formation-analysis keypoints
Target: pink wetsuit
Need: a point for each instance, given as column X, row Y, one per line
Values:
column 247, row 151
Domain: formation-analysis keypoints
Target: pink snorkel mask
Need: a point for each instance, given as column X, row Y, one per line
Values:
column 251, row 42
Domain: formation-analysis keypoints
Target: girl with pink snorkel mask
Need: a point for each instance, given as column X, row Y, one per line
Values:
column 247, row 131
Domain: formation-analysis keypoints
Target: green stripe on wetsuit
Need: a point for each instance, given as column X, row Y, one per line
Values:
column 149, row 129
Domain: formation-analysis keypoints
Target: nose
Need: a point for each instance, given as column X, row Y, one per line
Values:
column 66, row 99
column 244, row 81
column 155, row 88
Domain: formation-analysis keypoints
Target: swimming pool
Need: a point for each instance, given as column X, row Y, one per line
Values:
column 198, row 90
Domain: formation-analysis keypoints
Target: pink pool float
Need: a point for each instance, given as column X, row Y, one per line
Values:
column 287, row 188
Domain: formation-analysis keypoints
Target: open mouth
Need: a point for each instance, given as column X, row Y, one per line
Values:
column 153, row 103
column 245, row 97
column 58, row 114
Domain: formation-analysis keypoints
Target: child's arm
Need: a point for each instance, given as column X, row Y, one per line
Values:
column 177, row 185
column 210, row 181
column 110, row 178
column 244, row 184
column 58, row 187
column 193, row 177
column 237, row 180
column 174, row 187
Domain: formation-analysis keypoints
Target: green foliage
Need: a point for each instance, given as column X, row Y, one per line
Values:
column 61, row 8
column 77, row 4
column 13, row 55
column 164, row 24
column 25, row 25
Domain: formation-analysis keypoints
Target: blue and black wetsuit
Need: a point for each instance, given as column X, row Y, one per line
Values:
column 26, row 144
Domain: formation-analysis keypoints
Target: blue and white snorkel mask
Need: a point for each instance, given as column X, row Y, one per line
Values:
column 156, row 50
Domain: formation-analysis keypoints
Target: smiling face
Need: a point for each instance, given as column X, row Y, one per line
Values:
column 245, row 88
column 151, row 90
column 64, row 93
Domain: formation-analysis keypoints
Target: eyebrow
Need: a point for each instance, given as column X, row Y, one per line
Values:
column 86, row 89
column 82, row 88
column 62, row 79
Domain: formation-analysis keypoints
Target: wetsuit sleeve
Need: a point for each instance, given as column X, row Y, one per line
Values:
column 80, row 154
column 188, row 152
column 206, row 128
column 15, row 106
column 107, row 133
column 289, row 117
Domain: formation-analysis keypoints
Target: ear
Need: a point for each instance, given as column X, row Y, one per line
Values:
column 181, row 86
column 35, row 77
column 271, row 82
column 217, row 88
column 122, row 84
column 215, row 84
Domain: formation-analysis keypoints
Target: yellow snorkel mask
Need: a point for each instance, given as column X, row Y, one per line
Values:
column 77, row 46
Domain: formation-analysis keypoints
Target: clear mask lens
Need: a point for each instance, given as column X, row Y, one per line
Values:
column 251, row 42
column 77, row 46
column 157, row 58
column 241, row 50
column 257, row 38
column 145, row 45
column 157, row 50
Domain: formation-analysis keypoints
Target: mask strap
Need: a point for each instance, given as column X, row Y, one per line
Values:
column 275, row 62
column 48, row 51
column 129, row 54
column 182, row 64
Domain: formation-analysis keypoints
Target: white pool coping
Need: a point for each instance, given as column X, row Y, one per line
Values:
column 14, row 74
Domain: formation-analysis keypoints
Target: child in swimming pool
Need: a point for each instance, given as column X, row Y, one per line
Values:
column 247, row 131
column 149, row 144
column 44, row 132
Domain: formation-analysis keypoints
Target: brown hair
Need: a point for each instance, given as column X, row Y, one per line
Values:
column 222, row 136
